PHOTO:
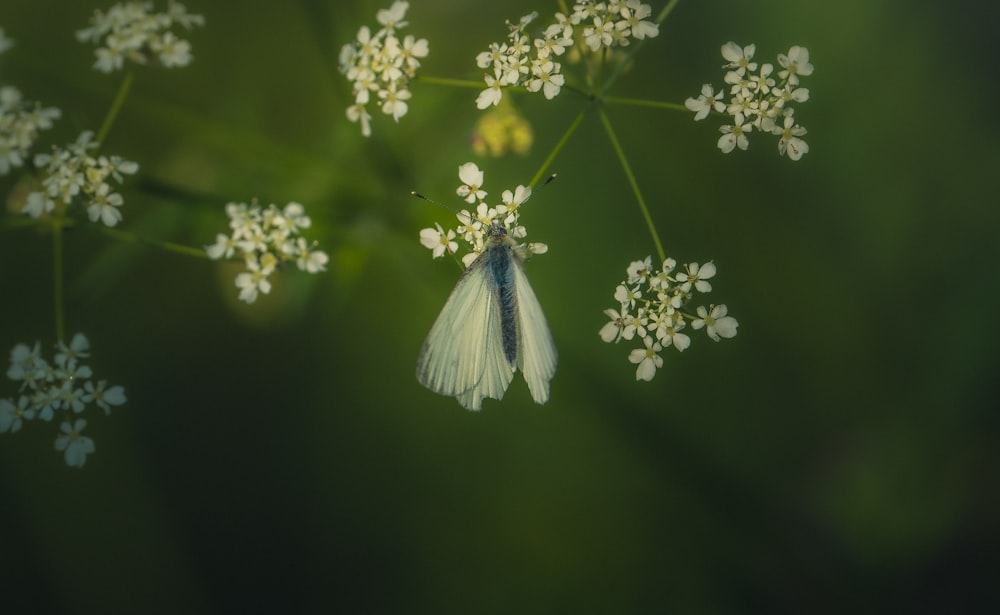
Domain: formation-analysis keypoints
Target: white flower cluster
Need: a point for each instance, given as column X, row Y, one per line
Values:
column 526, row 62
column 382, row 65
column 71, row 171
column 20, row 121
column 650, row 307
column 758, row 100
column 265, row 238
column 132, row 31
column 475, row 227
column 64, row 387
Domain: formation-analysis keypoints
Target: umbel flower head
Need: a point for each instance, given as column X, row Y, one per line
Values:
column 651, row 308
column 532, row 62
column 266, row 238
column 132, row 31
column 62, row 389
column 381, row 65
column 20, row 121
column 760, row 100
column 474, row 227
column 72, row 171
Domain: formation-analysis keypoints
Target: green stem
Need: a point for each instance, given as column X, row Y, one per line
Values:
column 116, row 106
column 134, row 238
column 666, row 11
column 635, row 185
column 558, row 148
column 57, row 278
column 639, row 102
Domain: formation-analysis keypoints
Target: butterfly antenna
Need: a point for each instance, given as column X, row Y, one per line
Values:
column 441, row 205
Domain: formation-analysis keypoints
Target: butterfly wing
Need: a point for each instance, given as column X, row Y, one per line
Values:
column 536, row 357
column 463, row 356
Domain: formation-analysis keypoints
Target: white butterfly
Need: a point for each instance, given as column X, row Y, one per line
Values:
column 490, row 327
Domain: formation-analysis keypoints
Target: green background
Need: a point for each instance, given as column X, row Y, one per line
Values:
column 839, row 455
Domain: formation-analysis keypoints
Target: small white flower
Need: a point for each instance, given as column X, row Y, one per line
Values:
column 224, row 247
column 358, row 113
column 706, row 102
column 103, row 396
column 627, row 296
column 79, row 348
column 12, row 416
column 739, row 57
column 472, row 183
column 513, row 200
column 72, row 397
column 546, row 78
column 717, row 323
column 735, row 134
column 670, row 334
column 612, row 330
column 254, row 279
column 636, row 14
column 647, row 359
column 25, row 362
column 437, row 240
column 697, row 276
column 310, row 261
column 392, row 18
column 795, row 63
column 638, row 271
column 790, row 142
column 394, row 101
column 491, row 95
column 76, row 447
column 104, row 206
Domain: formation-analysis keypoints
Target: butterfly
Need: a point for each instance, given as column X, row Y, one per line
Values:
column 491, row 326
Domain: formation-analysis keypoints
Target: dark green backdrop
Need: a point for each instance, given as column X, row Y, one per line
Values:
column 839, row 455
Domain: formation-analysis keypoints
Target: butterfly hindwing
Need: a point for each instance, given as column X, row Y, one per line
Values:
column 536, row 357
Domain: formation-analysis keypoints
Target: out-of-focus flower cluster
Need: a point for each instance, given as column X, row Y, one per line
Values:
column 70, row 171
column 61, row 389
column 502, row 129
column 5, row 42
column 531, row 62
column 651, row 308
column 266, row 238
column 380, row 66
column 759, row 99
column 20, row 121
column 132, row 31
column 474, row 227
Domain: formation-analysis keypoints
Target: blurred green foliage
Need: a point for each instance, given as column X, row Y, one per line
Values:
column 840, row 454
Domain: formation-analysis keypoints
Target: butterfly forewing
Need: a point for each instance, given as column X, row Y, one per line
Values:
column 463, row 355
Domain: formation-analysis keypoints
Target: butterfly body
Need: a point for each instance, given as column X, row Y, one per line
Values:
column 491, row 326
